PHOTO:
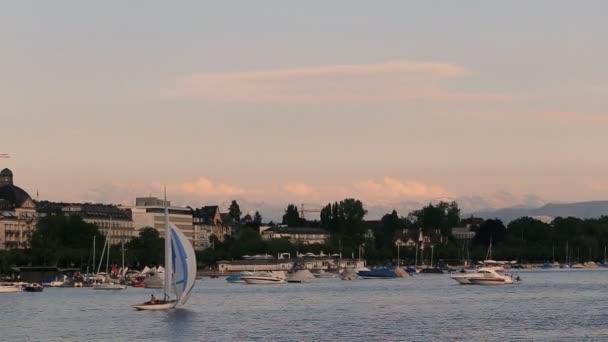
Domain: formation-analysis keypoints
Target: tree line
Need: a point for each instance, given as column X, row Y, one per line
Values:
column 67, row 241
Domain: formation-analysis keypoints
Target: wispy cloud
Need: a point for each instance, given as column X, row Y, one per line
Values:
column 392, row 81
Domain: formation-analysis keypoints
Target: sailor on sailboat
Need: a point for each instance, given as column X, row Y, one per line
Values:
column 180, row 268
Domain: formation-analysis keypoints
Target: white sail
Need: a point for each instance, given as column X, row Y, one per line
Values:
column 183, row 265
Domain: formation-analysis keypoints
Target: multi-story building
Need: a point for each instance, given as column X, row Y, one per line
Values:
column 114, row 222
column 150, row 212
column 207, row 222
column 297, row 235
column 17, row 213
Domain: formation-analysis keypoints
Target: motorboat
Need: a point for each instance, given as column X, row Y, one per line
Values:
column 109, row 286
column 378, row 273
column 488, row 276
column 34, row 287
column 463, row 277
column 9, row 289
column 301, row 276
column 260, row 278
column 236, row 278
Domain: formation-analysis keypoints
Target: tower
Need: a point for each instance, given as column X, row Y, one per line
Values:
column 6, row 177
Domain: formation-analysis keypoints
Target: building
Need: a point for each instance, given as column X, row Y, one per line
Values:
column 207, row 222
column 150, row 212
column 18, row 215
column 297, row 235
column 463, row 234
column 112, row 221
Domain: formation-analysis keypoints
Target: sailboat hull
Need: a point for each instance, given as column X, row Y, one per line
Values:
column 156, row 307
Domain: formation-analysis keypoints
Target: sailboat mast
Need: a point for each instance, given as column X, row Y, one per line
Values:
column 93, row 251
column 123, row 257
column 108, row 257
column 168, row 270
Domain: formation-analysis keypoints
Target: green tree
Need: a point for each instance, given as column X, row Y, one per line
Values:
column 292, row 216
column 257, row 219
column 234, row 212
column 147, row 249
column 63, row 241
column 490, row 230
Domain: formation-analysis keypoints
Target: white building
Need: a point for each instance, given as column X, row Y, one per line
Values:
column 18, row 215
column 297, row 235
column 150, row 212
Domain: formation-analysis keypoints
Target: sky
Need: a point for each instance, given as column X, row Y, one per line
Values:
column 494, row 103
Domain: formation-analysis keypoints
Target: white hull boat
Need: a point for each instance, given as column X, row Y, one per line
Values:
column 109, row 287
column 147, row 306
column 10, row 289
column 463, row 279
column 488, row 276
column 263, row 278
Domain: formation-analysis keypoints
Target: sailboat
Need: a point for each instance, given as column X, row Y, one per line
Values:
column 180, row 269
column 107, row 285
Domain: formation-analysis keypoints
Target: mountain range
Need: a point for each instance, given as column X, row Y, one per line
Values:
column 583, row 210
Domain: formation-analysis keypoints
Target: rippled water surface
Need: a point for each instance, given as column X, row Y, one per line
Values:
column 556, row 305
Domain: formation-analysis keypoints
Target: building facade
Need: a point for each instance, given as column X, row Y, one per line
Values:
column 207, row 222
column 297, row 235
column 150, row 212
column 18, row 215
column 112, row 221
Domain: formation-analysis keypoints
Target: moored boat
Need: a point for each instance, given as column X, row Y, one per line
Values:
column 109, row 286
column 378, row 273
column 488, row 276
column 9, row 289
column 34, row 287
column 263, row 278
column 236, row 278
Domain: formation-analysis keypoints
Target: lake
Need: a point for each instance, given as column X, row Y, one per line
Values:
column 548, row 305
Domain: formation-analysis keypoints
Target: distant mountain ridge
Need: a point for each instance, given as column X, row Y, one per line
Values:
column 583, row 210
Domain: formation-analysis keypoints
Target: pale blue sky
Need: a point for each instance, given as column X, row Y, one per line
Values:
column 113, row 98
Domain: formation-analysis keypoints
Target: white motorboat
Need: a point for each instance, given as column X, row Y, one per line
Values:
column 263, row 278
column 236, row 278
column 488, row 276
column 180, row 269
column 9, row 289
column 109, row 286
column 463, row 278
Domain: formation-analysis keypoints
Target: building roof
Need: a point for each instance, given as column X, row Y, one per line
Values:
column 13, row 196
column 85, row 210
column 206, row 213
column 6, row 173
